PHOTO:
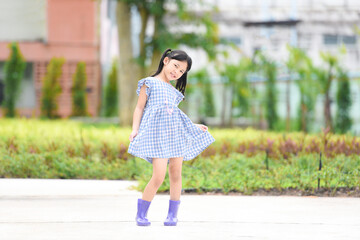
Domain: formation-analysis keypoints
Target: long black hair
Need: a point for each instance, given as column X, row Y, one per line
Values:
column 180, row 56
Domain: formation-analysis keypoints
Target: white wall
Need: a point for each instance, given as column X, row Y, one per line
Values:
column 22, row 20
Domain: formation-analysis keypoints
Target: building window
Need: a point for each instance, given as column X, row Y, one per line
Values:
column 349, row 40
column 330, row 39
column 233, row 40
column 334, row 39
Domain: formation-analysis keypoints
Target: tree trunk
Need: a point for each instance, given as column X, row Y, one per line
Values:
column 327, row 109
column 328, row 122
column 288, row 107
column 231, row 107
column 223, row 106
column 128, row 69
column 303, row 117
column 157, row 28
column 144, row 14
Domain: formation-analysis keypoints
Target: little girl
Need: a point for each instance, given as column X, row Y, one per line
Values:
column 162, row 134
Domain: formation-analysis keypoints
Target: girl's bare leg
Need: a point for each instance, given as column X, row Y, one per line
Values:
column 175, row 168
column 158, row 176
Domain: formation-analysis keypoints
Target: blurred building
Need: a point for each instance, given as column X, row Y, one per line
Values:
column 52, row 28
column 312, row 25
column 270, row 25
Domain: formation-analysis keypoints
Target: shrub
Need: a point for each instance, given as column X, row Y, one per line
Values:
column 79, row 103
column 51, row 88
column 343, row 100
column 111, row 90
column 14, row 72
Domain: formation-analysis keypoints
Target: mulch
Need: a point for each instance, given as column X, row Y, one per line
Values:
column 322, row 192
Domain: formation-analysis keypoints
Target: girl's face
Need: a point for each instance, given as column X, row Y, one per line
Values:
column 174, row 69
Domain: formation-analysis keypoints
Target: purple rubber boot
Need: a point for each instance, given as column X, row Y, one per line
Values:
column 171, row 219
column 143, row 207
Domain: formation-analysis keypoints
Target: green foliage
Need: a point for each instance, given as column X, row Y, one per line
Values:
column 239, row 173
column 331, row 61
column 325, row 78
column 164, row 37
column 79, row 103
column 228, row 77
column 111, row 96
column 271, row 98
column 206, row 41
column 235, row 77
column 208, row 107
column 31, row 148
column 269, row 70
column 61, row 165
column 343, row 100
column 301, row 65
column 14, row 72
column 242, row 88
column 51, row 88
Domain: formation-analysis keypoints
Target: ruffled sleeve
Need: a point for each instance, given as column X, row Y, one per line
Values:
column 180, row 97
column 147, row 82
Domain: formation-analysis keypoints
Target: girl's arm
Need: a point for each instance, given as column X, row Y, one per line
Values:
column 139, row 109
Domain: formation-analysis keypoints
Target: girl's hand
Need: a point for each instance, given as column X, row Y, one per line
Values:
column 202, row 127
column 133, row 135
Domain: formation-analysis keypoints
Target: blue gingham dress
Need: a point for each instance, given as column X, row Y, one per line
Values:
column 165, row 131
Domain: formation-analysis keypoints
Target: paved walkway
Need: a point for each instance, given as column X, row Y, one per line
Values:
column 90, row 209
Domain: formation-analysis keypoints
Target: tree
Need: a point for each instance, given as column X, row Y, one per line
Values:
column 110, row 101
column 14, row 72
column 242, row 88
column 271, row 98
column 300, row 64
column 228, row 77
column 343, row 100
column 79, row 103
column 129, row 71
column 151, row 46
column 269, row 69
column 235, row 79
column 325, row 78
column 203, row 79
column 51, row 88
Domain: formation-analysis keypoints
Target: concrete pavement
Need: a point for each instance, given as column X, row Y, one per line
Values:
column 91, row 209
